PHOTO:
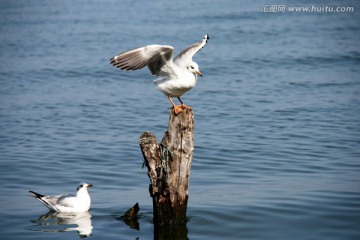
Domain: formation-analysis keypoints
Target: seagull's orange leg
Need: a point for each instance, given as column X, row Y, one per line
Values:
column 183, row 105
column 177, row 109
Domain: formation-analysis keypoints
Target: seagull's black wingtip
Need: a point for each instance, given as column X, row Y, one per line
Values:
column 206, row 38
column 37, row 195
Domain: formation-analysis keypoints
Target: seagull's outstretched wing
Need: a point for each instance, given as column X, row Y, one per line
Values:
column 185, row 56
column 153, row 56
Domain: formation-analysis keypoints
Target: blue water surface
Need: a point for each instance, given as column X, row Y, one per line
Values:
column 277, row 117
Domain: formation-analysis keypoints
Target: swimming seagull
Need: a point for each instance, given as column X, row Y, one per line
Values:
column 176, row 76
column 66, row 202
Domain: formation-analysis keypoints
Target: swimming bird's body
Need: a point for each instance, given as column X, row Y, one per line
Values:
column 66, row 202
column 176, row 76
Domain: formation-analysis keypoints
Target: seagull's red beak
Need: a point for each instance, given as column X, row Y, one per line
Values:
column 89, row 186
column 199, row 73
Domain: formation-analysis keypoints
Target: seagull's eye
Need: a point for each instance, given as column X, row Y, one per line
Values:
column 192, row 67
column 81, row 186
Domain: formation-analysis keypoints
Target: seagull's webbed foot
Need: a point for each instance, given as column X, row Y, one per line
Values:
column 177, row 109
column 185, row 106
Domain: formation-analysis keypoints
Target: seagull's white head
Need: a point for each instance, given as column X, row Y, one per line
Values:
column 83, row 186
column 194, row 68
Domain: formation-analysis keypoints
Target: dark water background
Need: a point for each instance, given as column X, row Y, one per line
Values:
column 277, row 113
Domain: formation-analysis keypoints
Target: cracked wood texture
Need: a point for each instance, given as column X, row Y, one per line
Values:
column 169, row 166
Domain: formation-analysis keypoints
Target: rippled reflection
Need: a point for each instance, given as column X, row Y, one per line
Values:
column 55, row 222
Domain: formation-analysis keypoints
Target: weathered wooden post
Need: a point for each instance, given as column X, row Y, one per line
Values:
column 169, row 166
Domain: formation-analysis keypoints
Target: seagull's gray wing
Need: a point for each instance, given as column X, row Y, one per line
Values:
column 185, row 56
column 153, row 56
column 50, row 201
column 66, row 200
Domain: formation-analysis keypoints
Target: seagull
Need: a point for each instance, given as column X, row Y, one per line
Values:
column 66, row 202
column 175, row 76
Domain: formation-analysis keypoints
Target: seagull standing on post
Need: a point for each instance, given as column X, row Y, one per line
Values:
column 176, row 76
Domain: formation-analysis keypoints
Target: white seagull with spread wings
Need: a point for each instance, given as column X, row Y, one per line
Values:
column 176, row 76
column 66, row 202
